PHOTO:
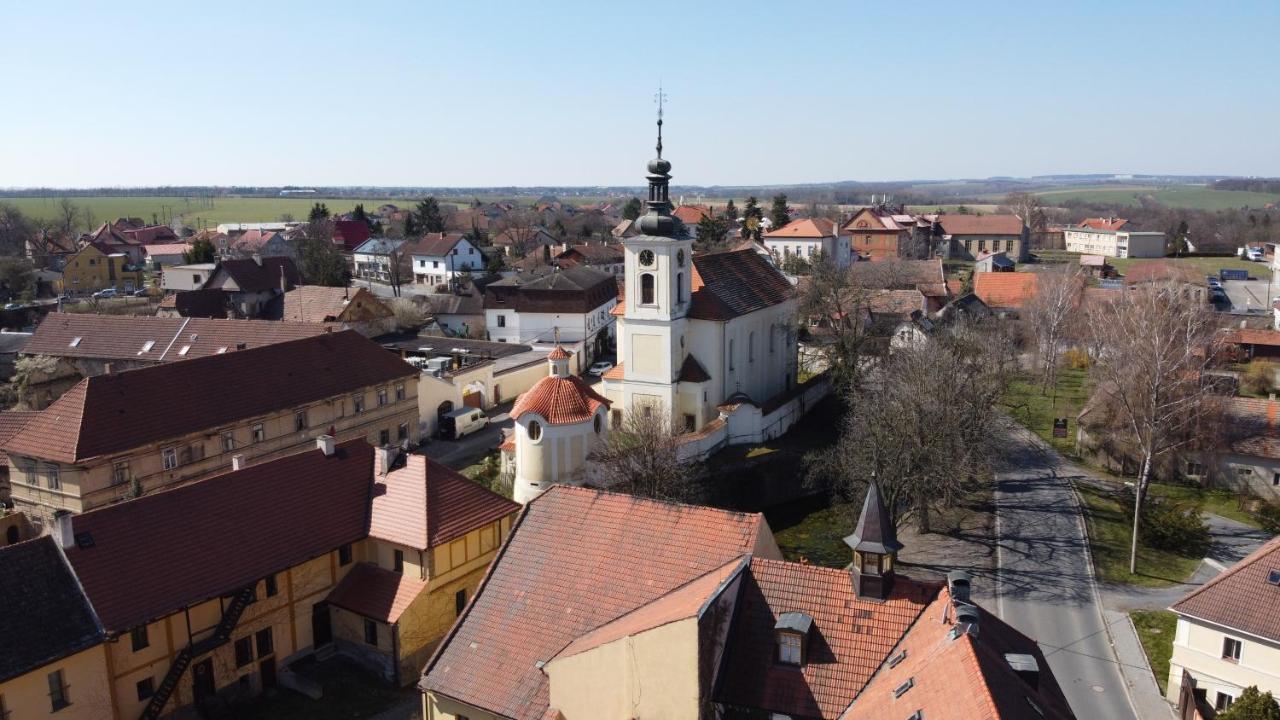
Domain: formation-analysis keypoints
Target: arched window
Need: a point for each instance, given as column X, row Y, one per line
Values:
column 646, row 289
column 599, row 424
column 535, row 431
column 679, row 287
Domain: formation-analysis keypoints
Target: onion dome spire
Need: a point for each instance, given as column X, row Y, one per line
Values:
column 658, row 221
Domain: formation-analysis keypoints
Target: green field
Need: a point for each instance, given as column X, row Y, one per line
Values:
column 1202, row 265
column 1196, row 197
column 195, row 212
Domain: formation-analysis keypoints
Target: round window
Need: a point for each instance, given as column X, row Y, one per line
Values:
column 599, row 423
column 646, row 258
column 535, row 431
column 680, row 258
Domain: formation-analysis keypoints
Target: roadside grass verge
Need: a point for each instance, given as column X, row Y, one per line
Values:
column 1110, row 530
column 1156, row 629
column 1223, row 503
column 1029, row 405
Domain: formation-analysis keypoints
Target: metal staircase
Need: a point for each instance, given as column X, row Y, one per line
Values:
column 221, row 636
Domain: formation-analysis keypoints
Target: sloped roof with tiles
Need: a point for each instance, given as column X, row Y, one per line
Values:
column 423, row 504
column 960, row 675
column 11, row 421
column 691, row 371
column 576, row 560
column 316, row 304
column 121, row 411
column 46, row 617
column 807, row 228
column 849, row 640
column 691, row 214
column 1254, row 336
column 1005, row 289
column 896, row 302
column 126, row 337
column 981, row 224
column 217, row 535
column 898, row 274
column 730, row 284
column 434, row 244
column 376, row 593
column 1156, row 271
column 1102, row 223
column 258, row 275
column 560, row 400
column 167, row 249
column 1244, row 598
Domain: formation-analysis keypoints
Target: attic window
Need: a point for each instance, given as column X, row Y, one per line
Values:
column 146, row 346
column 75, row 341
column 84, row 540
column 792, row 628
column 904, row 687
column 1274, row 577
column 897, row 659
column 184, row 350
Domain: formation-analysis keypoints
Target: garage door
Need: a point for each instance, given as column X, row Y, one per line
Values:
column 474, row 400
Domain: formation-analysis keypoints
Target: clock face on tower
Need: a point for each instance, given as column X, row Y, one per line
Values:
column 646, row 258
column 680, row 258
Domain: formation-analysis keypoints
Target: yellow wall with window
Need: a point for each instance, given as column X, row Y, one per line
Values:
column 85, row 686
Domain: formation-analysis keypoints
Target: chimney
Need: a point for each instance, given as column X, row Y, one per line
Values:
column 63, row 531
column 326, row 443
column 106, row 367
column 237, row 462
column 386, row 458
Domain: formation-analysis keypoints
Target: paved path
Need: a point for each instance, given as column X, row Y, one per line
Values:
column 1045, row 582
column 458, row 454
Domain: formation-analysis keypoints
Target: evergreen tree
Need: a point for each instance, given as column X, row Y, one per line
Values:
column 430, row 220
column 731, row 210
column 201, row 252
column 1252, row 705
column 711, row 231
column 319, row 213
column 631, row 210
column 780, row 214
column 411, row 225
column 358, row 213
column 751, row 217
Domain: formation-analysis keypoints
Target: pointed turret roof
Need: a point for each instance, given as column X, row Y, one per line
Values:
column 875, row 532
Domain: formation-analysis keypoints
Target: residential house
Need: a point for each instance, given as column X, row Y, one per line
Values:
column 459, row 313
column 350, row 234
column 700, row 617
column 264, row 243
column 251, row 283
column 574, row 303
column 625, row 229
column 187, row 277
column 881, row 232
column 806, row 239
column 164, row 256
column 1096, row 266
column 1112, row 238
column 603, row 257
column 350, row 308
column 691, row 215
column 1246, row 344
column 439, row 258
column 966, row 236
column 52, row 655
column 1247, row 460
column 1004, row 292
column 93, row 267
column 210, row 304
column 1165, row 273
column 518, row 241
column 1228, row 636
column 49, row 250
column 111, row 240
column 151, row 235
column 375, row 258
column 121, row 434
column 11, row 421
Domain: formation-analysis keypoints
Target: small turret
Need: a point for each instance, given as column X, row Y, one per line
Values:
column 875, row 548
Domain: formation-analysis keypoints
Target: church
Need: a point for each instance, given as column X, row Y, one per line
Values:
column 706, row 341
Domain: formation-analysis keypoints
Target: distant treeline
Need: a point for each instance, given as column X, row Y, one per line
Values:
column 1261, row 185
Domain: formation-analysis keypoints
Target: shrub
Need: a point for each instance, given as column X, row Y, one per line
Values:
column 1172, row 527
column 1269, row 517
column 1076, row 359
column 1259, row 377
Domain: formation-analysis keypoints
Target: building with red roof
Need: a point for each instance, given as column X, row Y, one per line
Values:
column 966, row 236
column 808, row 238
column 350, row 234
column 1004, row 291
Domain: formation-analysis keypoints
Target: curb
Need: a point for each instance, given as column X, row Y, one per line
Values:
column 1145, row 658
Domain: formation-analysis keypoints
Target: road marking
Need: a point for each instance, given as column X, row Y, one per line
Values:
column 1215, row 564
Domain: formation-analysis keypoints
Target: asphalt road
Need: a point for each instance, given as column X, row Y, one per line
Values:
column 1045, row 584
column 458, row 454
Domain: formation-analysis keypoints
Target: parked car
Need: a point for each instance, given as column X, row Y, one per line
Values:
column 107, row 293
column 1213, row 281
column 142, row 292
column 462, row 422
column 600, row 368
column 13, row 306
column 1254, row 254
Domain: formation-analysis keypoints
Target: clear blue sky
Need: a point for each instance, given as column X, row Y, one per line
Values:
column 477, row 93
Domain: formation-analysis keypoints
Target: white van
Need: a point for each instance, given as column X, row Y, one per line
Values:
column 462, row 422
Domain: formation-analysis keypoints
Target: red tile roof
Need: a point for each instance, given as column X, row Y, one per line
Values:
column 1254, row 336
column 558, row 353
column 1241, row 598
column 981, row 224
column 424, row 504
column 11, row 421
column 317, row 304
column 615, row 373
column 730, row 284
column 577, row 559
column 560, row 400
column 691, row 214
column 1004, row 289
column 376, row 593
column 121, row 411
column 896, row 302
column 849, row 640
column 169, row 249
column 220, row 534
column 351, row 234
column 434, row 244
column 805, row 228
column 151, row 235
column 1102, row 223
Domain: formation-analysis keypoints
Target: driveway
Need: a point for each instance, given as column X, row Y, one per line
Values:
column 1045, row 584
column 1250, row 296
column 458, row 454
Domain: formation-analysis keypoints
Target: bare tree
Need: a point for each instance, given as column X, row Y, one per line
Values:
column 924, row 425
column 1028, row 207
column 643, row 458
column 521, row 228
column 68, row 217
column 1153, row 345
column 319, row 260
column 399, row 267
column 1049, row 314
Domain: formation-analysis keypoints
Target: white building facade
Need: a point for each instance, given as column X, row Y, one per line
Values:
column 1114, row 243
column 440, row 257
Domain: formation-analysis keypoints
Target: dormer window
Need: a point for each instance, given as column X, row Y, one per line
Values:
column 792, row 631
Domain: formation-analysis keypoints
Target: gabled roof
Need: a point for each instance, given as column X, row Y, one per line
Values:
column 259, row 275
column 151, row 234
column 1254, row 336
column 806, row 228
column 1243, row 598
column 319, row 304
column 849, row 640
column 898, row 274
column 896, row 302
column 255, row 240
column 112, row 413
column 167, row 249
column 125, row 337
column 423, row 504
column 376, row 593
column 435, row 244
column 1159, row 271
column 11, row 421
column 594, row 253
column 576, row 559
column 691, row 214
column 218, row 535
column 46, row 617
column 731, row 284
column 981, row 224
column 691, row 371
column 560, row 400
column 350, row 233
column 379, row 246
column 1004, row 289
column 577, row 289
column 1103, row 223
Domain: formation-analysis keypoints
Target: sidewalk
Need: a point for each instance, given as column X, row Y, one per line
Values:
column 1143, row 691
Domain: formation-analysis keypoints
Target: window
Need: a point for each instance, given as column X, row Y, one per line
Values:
column 139, row 638
column 904, row 687
column 344, row 554
column 402, row 432
column 789, row 648
column 1194, row 469
column 228, row 441
column 1231, row 649
column 120, row 473
column 170, row 456
column 300, row 420
column 400, row 392
column 1223, row 702
column 397, row 562
column 384, row 437
column 265, row 644
column 57, row 691
column 382, row 397
column 690, row 423
column 598, row 423
column 370, row 632
column 459, row 602
column 615, row 419
column 1244, row 472
column 897, row 659
column 647, row 291
column 52, row 477
column 259, row 434
column 535, row 430
column 1275, row 479
column 244, row 651
column 273, row 588
column 357, row 403
column 502, row 321
column 146, row 688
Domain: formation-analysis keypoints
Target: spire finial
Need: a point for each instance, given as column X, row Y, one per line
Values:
column 660, row 98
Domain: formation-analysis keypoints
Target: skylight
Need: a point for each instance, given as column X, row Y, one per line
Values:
column 896, row 659
column 1274, row 577
column 75, row 341
column 146, row 346
column 222, row 349
column 904, row 687
column 184, row 350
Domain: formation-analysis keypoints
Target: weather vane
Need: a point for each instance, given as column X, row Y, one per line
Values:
column 659, row 97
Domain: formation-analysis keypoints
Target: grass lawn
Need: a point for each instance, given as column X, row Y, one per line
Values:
column 1156, row 629
column 815, row 530
column 1203, row 265
column 1217, row 501
column 1184, row 196
column 1029, row 405
column 1110, row 530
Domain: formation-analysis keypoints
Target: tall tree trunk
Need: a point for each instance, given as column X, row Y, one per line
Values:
column 922, row 513
column 1139, row 494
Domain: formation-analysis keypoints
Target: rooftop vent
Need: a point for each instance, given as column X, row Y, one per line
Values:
column 958, row 585
column 241, row 346
column 84, row 540
column 966, row 613
column 185, row 349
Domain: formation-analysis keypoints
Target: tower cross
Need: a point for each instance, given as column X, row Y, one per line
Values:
column 660, row 98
